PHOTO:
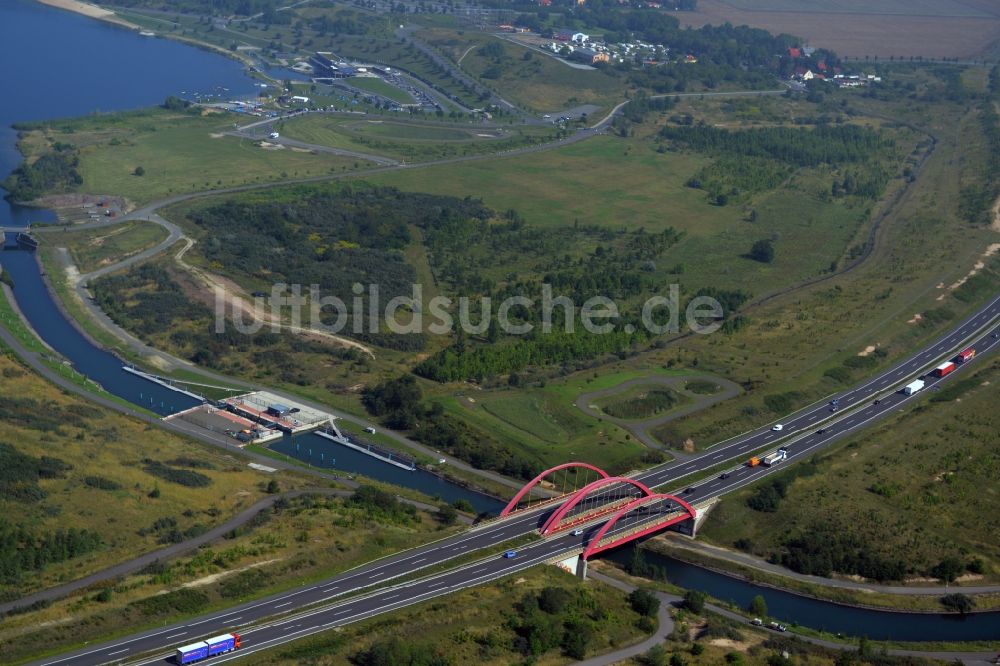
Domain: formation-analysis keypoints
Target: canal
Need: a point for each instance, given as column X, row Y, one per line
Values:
column 791, row 608
column 86, row 67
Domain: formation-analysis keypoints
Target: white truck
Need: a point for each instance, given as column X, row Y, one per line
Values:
column 913, row 387
column 776, row 457
column 274, row 135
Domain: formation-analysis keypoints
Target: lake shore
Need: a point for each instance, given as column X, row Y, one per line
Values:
column 89, row 10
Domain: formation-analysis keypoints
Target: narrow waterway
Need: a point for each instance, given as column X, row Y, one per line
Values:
column 835, row 618
column 86, row 67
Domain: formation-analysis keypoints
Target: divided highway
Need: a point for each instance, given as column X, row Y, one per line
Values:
column 803, row 433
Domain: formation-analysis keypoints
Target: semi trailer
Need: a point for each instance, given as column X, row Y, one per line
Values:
column 208, row 648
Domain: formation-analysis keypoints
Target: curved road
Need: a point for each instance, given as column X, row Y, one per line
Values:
column 640, row 428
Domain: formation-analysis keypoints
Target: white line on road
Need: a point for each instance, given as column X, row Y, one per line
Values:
column 287, row 603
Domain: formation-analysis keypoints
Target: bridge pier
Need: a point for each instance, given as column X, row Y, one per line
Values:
column 581, row 567
column 688, row 528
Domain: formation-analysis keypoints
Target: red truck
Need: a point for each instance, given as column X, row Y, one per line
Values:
column 944, row 369
column 966, row 355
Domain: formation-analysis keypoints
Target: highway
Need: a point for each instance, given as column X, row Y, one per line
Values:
column 804, row 433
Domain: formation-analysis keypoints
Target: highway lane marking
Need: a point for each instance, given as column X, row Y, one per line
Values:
column 167, row 638
column 395, row 596
column 287, row 603
column 418, row 561
column 988, row 345
column 143, row 637
column 118, row 652
column 813, row 417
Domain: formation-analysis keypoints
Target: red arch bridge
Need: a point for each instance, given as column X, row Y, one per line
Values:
column 608, row 510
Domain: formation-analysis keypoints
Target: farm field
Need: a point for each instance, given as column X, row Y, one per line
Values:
column 177, row 152
column 856, row 29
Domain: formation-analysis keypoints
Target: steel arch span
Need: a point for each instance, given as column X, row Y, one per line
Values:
column 528, row 487
column 552, row 524
column 594, row 545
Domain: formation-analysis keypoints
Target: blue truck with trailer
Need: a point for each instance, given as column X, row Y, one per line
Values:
column 208, row 648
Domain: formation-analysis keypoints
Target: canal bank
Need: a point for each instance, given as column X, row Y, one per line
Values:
column 815, row 616
column 914, row 597
column 105, row 80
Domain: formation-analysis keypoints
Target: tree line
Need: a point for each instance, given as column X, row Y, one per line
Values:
column 25, row 550
column 53, row 171
column 798, row 146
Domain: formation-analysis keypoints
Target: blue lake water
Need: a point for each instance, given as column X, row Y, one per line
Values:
column 87, row 66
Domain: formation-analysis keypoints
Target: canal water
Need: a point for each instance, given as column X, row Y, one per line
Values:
column 835, row 618
column 56, row 64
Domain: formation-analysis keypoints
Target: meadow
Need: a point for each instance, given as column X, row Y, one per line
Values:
column 112, row 475
column 797, row 345
column 379, row 87
column 883, row 492
column 174, row 153
column 411, row 140
column 628, row 184
column 302, row 539
column 93, row 249
column 532, row 80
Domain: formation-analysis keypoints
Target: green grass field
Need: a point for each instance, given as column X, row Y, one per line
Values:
column 380, row 87
column 641, row 402
column 103, row 444
column 545, row 422
column 544, row 428
column 100, row 247
column 888, row 488
column 540, row 83
column 178, row 153
column 790, row 344
column 410, row 140
column 307, row 540
column 620, row 183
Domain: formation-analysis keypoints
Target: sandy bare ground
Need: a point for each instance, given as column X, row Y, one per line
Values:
column 238, row 301
column 855, row 35
column 208, row 580
column 976, row 267
column 88, row 10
